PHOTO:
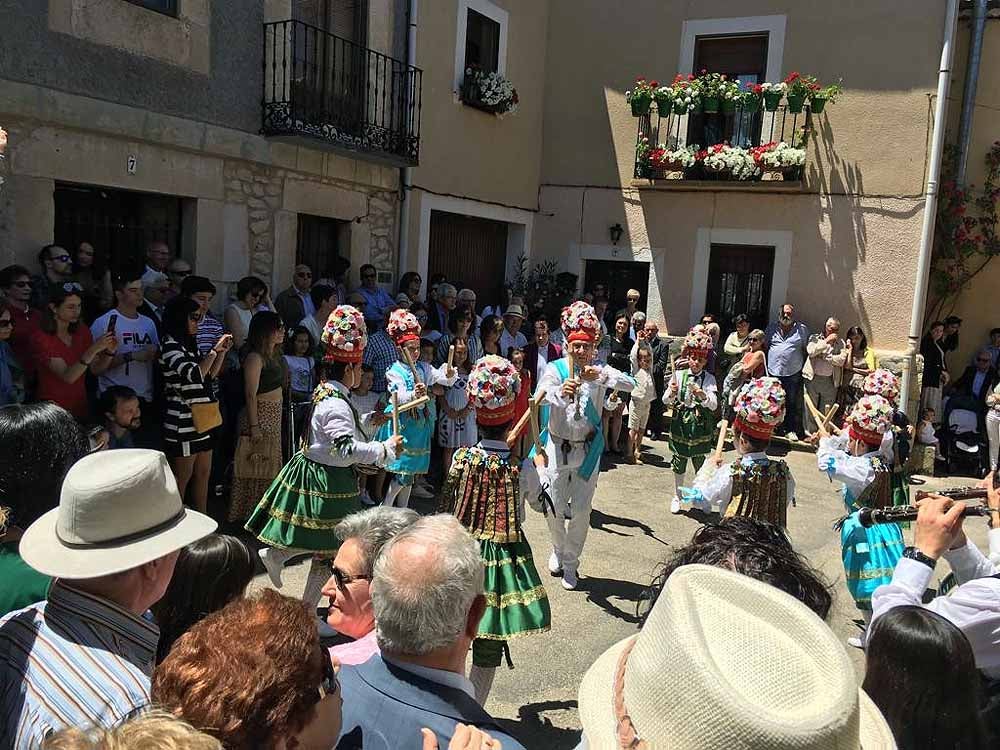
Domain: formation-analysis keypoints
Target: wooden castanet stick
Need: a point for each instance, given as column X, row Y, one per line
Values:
column 569, row 362
column 395, row 414
column 721, row 442
column 451, row 355
column 414, row 404
column 523, row 420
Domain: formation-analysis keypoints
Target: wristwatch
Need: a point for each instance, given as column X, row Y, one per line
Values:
column 914, row 554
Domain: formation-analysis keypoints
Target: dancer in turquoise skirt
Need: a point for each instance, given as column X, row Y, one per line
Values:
column 410, row 379
column 318, row 486
column 869, row 555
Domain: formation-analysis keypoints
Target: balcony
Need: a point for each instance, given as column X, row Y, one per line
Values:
column 321, row 89
column 751, row 134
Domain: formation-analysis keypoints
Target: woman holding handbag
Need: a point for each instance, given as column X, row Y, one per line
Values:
column 258, row 449
column 191, row 414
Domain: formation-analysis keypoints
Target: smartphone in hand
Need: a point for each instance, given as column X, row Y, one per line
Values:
column 112, row 322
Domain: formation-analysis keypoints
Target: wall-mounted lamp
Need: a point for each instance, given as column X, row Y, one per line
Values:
column 616, row 233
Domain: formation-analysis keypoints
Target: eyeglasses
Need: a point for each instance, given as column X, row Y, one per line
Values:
column 633, row 299
column 23, row 284
column 344, row 579
column 328, row 684
column 6, row 323
column 71, row 286
column 60, row 258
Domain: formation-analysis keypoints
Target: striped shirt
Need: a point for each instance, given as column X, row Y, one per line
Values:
column 182, row 384
column 73, row 660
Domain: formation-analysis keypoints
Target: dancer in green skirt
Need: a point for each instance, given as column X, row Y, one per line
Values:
column 896, row 441
column 318, row 486
column 482, row 491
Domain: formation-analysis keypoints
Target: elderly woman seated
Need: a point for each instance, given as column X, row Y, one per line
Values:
column 362, row 536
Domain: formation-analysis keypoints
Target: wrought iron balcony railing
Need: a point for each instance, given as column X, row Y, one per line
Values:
column 744, row 127
column 322, row 86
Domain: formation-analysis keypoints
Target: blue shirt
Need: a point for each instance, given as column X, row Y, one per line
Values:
column 786, row 352
column 376, row 302
column 380, row 355
column 71, row 661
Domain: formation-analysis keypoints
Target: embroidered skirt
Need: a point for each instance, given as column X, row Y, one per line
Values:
column 516, row 602
column 870, row 556
column 303, row 504
column 417, row 428
column 692, row 431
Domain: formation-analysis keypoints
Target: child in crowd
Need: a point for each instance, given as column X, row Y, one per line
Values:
column 457, row 426
column 519, row 449
column 366, row 403
column 754, row 486
column 925, row 431
column 642, row 396
column 426, row 351
column 301, row 378
column 482, row 491
column 694, row 395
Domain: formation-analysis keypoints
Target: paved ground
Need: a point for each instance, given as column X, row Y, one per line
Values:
column 632, row 532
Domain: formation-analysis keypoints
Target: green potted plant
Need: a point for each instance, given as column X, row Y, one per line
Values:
column 641, row 96
column 686, row 94
column 799, row 88
column 729, row 96
column 711, row 86
column 664, row 98
column 773, row 93
column 819, row 97
column 751, row 96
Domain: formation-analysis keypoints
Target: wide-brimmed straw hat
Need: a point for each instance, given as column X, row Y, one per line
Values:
column 726, row 661
column 118, row 510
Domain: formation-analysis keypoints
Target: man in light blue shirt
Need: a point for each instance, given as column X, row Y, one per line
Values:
column 786, row 355
column 377, row 299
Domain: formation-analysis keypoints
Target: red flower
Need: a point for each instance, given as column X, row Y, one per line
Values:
column 654, row 84
column 639, row 79
column 691, row 76
column 757, row 89
column 677, row 78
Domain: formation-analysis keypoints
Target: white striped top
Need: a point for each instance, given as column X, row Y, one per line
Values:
column 183, row 384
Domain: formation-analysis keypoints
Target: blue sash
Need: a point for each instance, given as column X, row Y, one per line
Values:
column 593, row 458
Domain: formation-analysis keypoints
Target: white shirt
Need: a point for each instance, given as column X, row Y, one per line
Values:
column 709, row 397
column 717, row 490
column 336, row 440
column 440, row 676
column 508, row 342
column 310, row 324
column 133, row 335
column 543, row 360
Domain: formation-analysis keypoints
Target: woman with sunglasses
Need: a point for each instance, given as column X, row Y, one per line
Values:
column 90, row 272
column 251, row 297
column 64, row 350
column 11, row 375
column 186, row 381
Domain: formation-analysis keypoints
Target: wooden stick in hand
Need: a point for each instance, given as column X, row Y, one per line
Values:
column 721, row 442
column 451, row 355
column 395, row 414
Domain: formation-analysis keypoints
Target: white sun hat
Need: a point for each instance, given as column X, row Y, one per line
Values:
column 726, row 662
column 117, row 510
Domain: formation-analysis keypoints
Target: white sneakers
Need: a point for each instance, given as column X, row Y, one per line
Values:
column 273, row 567
column 569, row 579
column 555, row 567
column 793, row 436
column 675, row 505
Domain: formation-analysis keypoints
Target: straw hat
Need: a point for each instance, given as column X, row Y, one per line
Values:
column 118, row 510
column 726, row 661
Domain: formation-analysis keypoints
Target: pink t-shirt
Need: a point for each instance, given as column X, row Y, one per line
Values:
column 356, row 652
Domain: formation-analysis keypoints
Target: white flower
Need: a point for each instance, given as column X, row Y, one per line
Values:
column 783, row 155
column 780, row 88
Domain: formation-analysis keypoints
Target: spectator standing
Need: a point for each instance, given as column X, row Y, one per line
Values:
column 202, row 292
column 377, row 299
column 157, row 256
column 294, row 303
column 467, row 300
column 440, row 309
column 251, row 294
column 154, row 730
column 978, row 380
column 11, row 374
column 41, row 442
column 735, row 345
column 661, row 361
column 209, row 574
column 490, row 331
column 325, row 300
column 457, row 426
column 57, row 269
column 15, row 283
column 952, row 325
column 618, row 358
column 994, row 347
column 136, row 348
column 992, row 425
column 410, row 284
column 427, row 596
column 156, row 294
column 362, row 536
column 632, row 297
column 178, row 269
column 380, row 354
column 644, row 393
column 541, row 350
column 460, row 326
column 291, row 699
column 824, row 369
column 786, row 343
column 122, row 415
column 511, row 336
column 335, row 275
column 921, row 673
column 186, row 378
column 604, row 343
column 935, row 376
column 64, row 351
column 95, row 278
column 860, row 360
column 753, row 364
column 87, row 650
column 259, row 448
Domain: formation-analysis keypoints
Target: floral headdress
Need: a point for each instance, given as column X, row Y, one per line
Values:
column 403, row 326
column 344, row 335
column 698, row 342
column 493, row 386
column 882, row 383
column 580, row 323
column 870, row 419
column 760, row 407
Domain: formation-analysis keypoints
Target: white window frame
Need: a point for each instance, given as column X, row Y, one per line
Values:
column 494, row 13
column 780, row 240
column 773, row 26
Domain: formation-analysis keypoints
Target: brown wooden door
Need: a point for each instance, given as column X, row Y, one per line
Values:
column 471, row 252
column 739, row 281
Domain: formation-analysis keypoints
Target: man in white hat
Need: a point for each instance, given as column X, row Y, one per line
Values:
column 511, row 336
column 725, row 661
column 86, row 654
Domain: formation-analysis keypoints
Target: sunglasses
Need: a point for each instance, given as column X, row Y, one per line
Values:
column 72, row 286
column 633, row 299
column 179, row 273
column 328, row 684
column 343, row 579
column 60, row 258
column 6, row 323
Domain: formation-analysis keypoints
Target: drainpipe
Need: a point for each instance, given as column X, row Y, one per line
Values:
column 971, row 80
column 406, row 173
column 930, row 202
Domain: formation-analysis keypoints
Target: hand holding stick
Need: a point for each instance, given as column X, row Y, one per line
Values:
column 451, row 355
column 395, row 414
column 414, row 404
column 535, row 431
column 519, row 426
column 721, row 442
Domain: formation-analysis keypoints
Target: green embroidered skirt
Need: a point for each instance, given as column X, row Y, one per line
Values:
column 692, row 431
column 516, row 602
column 303, row 504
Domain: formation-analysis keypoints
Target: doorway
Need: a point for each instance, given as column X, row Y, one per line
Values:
column 739, row 281
column 618, row 276
column 471, row 252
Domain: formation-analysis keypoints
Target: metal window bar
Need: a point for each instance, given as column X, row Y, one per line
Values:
column 744, row 127
column 320, row 85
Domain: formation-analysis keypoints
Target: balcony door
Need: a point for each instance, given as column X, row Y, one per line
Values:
column 739, row 281
column 741, row 58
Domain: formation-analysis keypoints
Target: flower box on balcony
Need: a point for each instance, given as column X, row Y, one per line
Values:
column 488, row 92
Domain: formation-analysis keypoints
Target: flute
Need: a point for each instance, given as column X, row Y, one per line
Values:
column 871, row 516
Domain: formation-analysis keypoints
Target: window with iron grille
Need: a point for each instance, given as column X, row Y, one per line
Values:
column 743, row 58
column 166, row 7
column 739, row 281
column 482, row 42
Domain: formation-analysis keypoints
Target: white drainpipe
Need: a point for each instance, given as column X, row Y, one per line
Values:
column 405, row 174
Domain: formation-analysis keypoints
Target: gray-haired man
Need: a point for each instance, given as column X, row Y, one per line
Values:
column 427, row 594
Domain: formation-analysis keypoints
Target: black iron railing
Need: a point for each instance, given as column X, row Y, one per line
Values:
column 743, row 126
column 322, row 86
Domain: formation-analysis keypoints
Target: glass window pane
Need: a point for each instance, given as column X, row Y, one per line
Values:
column 482, row 42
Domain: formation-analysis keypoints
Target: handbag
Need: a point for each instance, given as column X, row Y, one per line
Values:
column 252, row 460
column 205, row 415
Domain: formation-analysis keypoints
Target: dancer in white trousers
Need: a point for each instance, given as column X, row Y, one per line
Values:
column 572, row 437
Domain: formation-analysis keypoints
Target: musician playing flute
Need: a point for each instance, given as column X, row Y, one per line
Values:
column 754, row 486
column 855, row 458
column 572, row 437
column 410, row 379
